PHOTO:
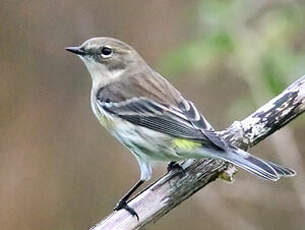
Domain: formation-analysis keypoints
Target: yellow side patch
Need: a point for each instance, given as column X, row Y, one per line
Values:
column 185, row 144
column 106, row 122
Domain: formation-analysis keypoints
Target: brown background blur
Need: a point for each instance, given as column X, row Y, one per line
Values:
column 60, row 170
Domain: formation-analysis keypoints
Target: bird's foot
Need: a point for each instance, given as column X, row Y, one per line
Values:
column 122, row 204
column 175, row 166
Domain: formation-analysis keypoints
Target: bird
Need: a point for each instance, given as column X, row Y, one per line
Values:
column 151, row 118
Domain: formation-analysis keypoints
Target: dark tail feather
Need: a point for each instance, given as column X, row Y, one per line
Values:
column 264, row 169
column 282, row 171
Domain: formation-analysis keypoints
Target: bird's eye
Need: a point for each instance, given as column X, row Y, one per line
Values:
column 106, row 51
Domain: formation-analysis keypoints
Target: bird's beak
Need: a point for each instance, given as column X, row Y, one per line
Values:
column 77, row 50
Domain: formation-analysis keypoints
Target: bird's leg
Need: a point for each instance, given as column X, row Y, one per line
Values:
column 173, row 165
column 122, row 204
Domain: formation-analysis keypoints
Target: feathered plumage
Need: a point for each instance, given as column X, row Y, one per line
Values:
column 150, row 116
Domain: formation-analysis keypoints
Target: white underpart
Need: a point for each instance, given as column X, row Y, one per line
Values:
column 146, row 145
column 124, row 133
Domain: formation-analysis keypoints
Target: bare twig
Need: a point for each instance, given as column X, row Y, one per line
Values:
column 170, row 190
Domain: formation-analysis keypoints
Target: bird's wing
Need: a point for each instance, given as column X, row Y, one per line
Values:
column 183, row 121
column 199, row 122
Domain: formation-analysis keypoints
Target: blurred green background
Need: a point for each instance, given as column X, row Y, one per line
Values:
column 60, row 170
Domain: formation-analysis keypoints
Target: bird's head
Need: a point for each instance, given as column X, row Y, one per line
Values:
column 107, row 58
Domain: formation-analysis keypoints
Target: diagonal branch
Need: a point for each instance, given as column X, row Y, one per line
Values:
column 170, row 190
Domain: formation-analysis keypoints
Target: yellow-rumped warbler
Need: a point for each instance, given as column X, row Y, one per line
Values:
column 150, row 116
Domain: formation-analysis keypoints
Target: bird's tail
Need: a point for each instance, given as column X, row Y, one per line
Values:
column 264, row 169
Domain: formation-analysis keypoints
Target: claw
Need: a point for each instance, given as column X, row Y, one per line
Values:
column 174, row 166
column 123, row 205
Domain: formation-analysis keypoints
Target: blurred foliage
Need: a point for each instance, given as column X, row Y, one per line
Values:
column 264, row 46
column 265, row 43
column 198, row 54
